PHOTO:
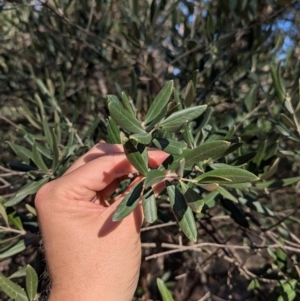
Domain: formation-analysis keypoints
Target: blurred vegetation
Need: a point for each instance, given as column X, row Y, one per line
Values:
column 58, row 62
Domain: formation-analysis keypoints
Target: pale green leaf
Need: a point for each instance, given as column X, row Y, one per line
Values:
column 29, row 188
column 31, row 282
column 136, row 158
column 165, row 293
column 170, row 146
column 38, row 159
column 211, row 150
column 129, row 202
column 183, row 213
column 149, row 206
column 23, row 153
column 143, row 138
column 12, row 289
column 189, row 94
column 153, row 176
column 12, row 249
column 176, row 120
column 123, row 118
column 159, row 102
column 113, row 132
column 277, row 183
column 226, row 194
column 236, row 175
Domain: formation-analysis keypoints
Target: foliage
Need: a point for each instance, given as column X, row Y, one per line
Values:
column 198, row 79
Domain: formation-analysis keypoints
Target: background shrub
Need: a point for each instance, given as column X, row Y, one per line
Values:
column 58, row 62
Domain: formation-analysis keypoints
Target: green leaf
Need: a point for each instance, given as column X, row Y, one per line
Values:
column 129, row 202
column 113, row 132
column 159, row 102
column 143, row 138
column 287, row 121
column 260, row 153
column 180, row 168
column 236, row 175
column 158, row 118
column 170, row 146
column 19, row 273
column 12, row 289
column 165, row 293
column 154, row 176
column 149, row 206
column 238, row 185
column 212, row 150
column 182, row 212
column 254, row 284
column 271, row 170
column 278, row 83
column 209, row 199
column 15, row 220
column 123, row 118
column 277, row 183
column 189, row 95
column 241, row 160
column 31, row 282
column 213, row 179
column 22, row 152
column 226, row 194
column 255, row 205
column 126, row 104
column 12, row 249
column 55, row 151
column 136, row 158
column 3, row 213
column 250, row 98
column 192, row 198
column 38, row 159
column 29, row 188
column 47, row 131
column 176, row 121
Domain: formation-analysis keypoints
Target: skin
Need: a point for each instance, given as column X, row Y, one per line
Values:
column 89, row 256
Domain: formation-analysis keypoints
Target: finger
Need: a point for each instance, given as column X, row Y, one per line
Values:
column 100, row 149
column 83, row 182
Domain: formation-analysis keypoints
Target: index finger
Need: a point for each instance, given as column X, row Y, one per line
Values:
column 83, row 182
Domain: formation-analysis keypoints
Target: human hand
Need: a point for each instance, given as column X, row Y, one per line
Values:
column 89, row 256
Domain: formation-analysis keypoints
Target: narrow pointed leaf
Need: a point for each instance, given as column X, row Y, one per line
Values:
column 159, row 117
column 12, row 289
column 47, row 131
column 238, row 185
column 236, row 175
column 176, row 121
column 3, row 213
column 126, row 104
column 180, row 168
column 129, row 202
column 277, row 183
column 226, row 194
column 149, row 206
column 159, row 102
column 260, row 153
column 38, row 159
column 154, row 176
column 192, row 198
column 136, row 158
column 278, row 84
column 12, row 249
column 212, row 150
column 189, row 94
column 143, row 138
column 55, row 151
column 165, row 293
column 287, row 121
column 170, row 146
column 182, row 212
column 212, row 179
column 208, row 187
column 22, row 152
column 250, row 98
column 209, row 199
column 19, row 273
column 31, row 282
column 28, row 189
column 113, row 132
column 124, row 119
